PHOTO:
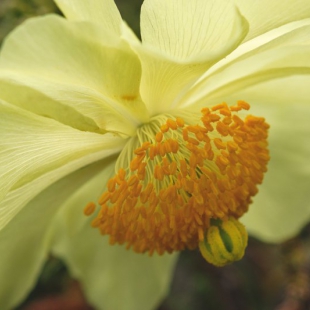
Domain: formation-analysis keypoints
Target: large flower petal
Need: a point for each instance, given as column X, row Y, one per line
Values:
column 24, row 242
column 284, row 55
column 69, row 63
column 181, row 40
column 281, row 206
column 103, row 12
column 190, row 30
column 264, row 15
column 112, row 277
column 36, row 151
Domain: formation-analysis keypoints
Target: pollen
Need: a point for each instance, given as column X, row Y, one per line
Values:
column 182, row 178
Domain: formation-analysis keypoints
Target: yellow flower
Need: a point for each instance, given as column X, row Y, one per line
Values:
column 157, row 133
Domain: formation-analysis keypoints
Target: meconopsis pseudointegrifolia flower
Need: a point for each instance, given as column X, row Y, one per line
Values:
column 165, row 141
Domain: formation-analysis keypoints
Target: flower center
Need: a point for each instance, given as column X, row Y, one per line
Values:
column 183, row 178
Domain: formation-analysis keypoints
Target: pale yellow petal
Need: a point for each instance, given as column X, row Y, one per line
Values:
column 24, row 242
column 257, row 42
column 180, row 42
column 103, row 12
column 36, row 151
column 285, row 55
column 111, row 276
column 264, row 15
column 281, row 208
column 39, row 103
column 51, row 59
column 196, row 30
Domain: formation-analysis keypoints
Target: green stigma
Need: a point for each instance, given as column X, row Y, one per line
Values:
column 224, row 242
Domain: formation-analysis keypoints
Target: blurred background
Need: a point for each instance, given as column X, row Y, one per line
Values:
column 268, row 277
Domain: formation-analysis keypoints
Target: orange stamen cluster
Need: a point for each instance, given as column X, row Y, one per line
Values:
column 186, row 176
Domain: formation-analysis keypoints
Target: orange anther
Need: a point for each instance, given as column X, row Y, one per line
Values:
column 238, row 120
column 193, row 141
column 111, row 185
column 104, row 198
column 244, row 105
column 180, row 121
column 168, row 147
column 90, row 208
column 133, row 180
column 158, row 173
column 225, row 112
column 219, row 144
column 214, row 117
column 121, row 174
column 232, row 146
column 205, row 111
column 218, row 107
column 153, row 152
column 172, row 124
column 159, row 136
column 174, row 145
column 164, row 128
column 185, row 134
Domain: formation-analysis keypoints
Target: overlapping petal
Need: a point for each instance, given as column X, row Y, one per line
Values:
column 24, row 242
column 112, row 277
column 286, row 54
column 180, row 41
column 36, row 151
column 62, row 61
column 194, row 31
column 264, row 15
column 103, row 12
